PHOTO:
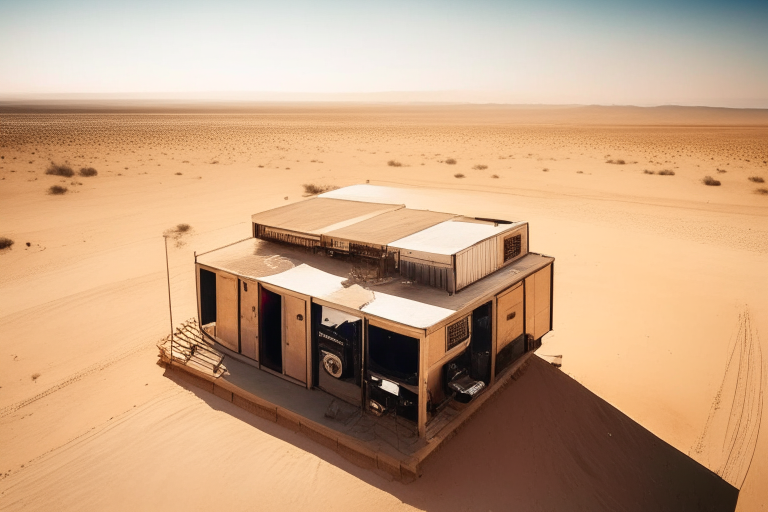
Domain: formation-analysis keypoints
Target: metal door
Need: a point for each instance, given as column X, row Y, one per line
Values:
column 509, row 317
column 226, row 311
column 295, row 338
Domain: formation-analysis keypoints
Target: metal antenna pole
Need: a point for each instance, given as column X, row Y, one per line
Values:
column 170, row 308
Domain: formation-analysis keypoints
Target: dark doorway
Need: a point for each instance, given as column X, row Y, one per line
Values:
column 271, row 330
column 481, row 344
column 207, row 297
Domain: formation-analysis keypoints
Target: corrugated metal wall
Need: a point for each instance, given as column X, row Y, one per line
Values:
column 477, row 262
column 431, row 275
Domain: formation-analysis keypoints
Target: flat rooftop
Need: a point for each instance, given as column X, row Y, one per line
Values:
column 388, row 227
column 318, row 214
column 326, row 278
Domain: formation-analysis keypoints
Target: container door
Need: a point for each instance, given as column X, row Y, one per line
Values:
column 295, row 328
column 249, row 320
column 227, row 311
column 509, row 311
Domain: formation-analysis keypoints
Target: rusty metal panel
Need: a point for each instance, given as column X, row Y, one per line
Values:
column 295, row 338
column 227, row 312
column 509, row 317
column 249, row 319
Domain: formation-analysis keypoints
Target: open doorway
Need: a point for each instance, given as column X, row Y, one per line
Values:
column 393, row 373
column 481, row 343
column 207, row 297
column 271, row 346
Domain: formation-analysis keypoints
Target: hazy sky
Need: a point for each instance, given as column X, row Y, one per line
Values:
column 551, row 51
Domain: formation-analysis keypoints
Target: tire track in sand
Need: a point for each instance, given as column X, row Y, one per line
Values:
column 729, row 439
column 104, row 363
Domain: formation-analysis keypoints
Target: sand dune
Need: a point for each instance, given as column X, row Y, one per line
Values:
column 655, row 275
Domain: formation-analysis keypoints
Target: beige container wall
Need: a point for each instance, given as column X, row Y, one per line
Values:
column 227, row 311
column 538, row 298
column 476, row 262
column 249, row 319
column 543, row 302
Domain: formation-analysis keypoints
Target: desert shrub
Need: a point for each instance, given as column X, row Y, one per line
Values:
column 35, row 376
column 617, row 162
column 666, row 172
column 88, row 172
column 721, row 170
column 312, row 189
column 649, row 172
column 5, row 242
column 60, row 170
column 451, row 161
column 761, row 191
column 178, row 174
column 57, row 190
column 182, row 228
column 480, row 167
column 545, row 169
column 394, row 163
column 756, row 179
column 458, row 175
column 710, row 181
column 495, row 176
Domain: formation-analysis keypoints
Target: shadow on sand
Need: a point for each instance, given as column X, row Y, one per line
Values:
column 545, row 442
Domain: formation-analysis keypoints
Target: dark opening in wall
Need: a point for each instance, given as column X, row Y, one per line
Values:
column 271, row 330
column 393, row 355
column 207, row 297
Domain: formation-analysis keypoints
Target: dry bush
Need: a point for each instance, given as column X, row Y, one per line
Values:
column 451, row 161
column 761, row 191
column 88, row 172
column 649, row 172
column 177, row 232
column 5, row 243
column 495, row 176
column 710, row 181
column 545, row 169
column 178, row 174
column 394, row 163
column 480, row 167
column 617, row 162
column 721, row 170
column 458, row 175
column 666, row 172
column 313, row 190
column 35, row 376
column 57, row 190
column 756, row 179
column 60, row 170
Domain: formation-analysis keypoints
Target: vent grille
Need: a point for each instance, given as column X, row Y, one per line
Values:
column 456, row 333
column 513, row 245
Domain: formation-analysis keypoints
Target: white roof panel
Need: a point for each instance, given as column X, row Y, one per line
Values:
column 406, row 311
column 306, row 280
column 450, row 237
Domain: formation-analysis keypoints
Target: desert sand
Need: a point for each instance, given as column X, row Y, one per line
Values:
column 660, row 306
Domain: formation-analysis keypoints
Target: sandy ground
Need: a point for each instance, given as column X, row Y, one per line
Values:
column 661, row 304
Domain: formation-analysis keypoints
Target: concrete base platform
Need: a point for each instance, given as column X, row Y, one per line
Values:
column 387, row 443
